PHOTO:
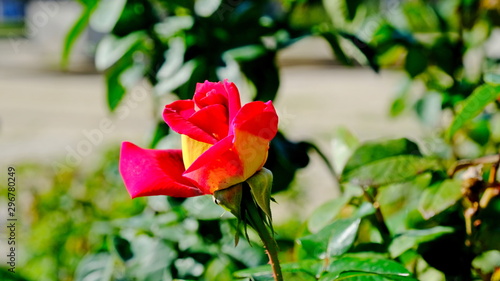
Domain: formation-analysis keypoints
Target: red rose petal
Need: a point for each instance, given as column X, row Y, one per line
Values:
column 148, row 172
column 176, row 115
column 257, row 118
column 254, row 127
column 212, row 119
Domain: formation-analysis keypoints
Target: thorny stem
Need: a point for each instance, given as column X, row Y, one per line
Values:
column 256, row 221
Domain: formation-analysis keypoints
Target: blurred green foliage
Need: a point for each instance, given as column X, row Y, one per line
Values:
column 445, row 47
column 407, row 211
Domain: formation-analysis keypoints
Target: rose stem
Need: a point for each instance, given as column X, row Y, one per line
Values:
column 256, row 221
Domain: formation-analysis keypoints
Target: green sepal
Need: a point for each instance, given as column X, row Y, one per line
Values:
column 260, row 187
column 230, row 199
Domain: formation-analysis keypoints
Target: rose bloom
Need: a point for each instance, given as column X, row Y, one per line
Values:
column 223, row 144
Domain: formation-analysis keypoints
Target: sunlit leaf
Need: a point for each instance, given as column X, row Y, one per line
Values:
column 121, row 77
column 373, row 151
column 325, row 213
column 151, row 258
column 400, row 103
column 487, row 262
column 420, row 16
column 429, row 109
column 168, row 84
column 106, row 15
column 412, row 238
column 79, row 26
column 372, row 276
column 301, row 271
column 220, row 269
column 95, row 267
column 492, row 78
column 390, row 170
column 472, row 106
column 172, row 25
column 206, row 8
column 352, row 7
column 203, row 208
column 343, row 146
column 364, row 264
column 333, row 240
column 112, row 48
column 367, row 50
column 333, row 40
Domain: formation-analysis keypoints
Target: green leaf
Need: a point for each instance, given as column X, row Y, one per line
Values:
column 492, row 78
column 206, row 8
column 302, row 270
column 412, row 238
column 479, row 131
column 203, row 208
column 174, row 58
column 364, row 263
column 75, row 31
column 260, row 187
column 343, row 146
column 352, row 8
column 372, row 276
column 367, row 50
column 6, row 275
column 429, row 109
column 98, row 267
column 487, row 262
column 374, row 151
column 246, row 53
column 325, row 214
column 400, row 103
column 106, row 15
column 112, row 49
column 122, row 248
column 151, row 258
column 420, row 16
column 389, row 170
column 115, row 90
column 439, row 197
column 416, row 61
column 167, row 85
column 188, row 267
column 472, row 106
column 173, row 25
column 333, row 40
column 220, row 269
column 333, row 240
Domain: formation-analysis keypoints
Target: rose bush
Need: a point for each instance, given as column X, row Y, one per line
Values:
column 223, row 144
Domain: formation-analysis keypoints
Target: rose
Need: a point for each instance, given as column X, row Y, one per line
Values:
column 223, row 144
